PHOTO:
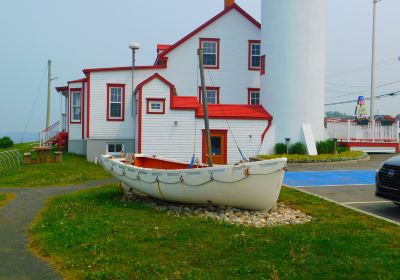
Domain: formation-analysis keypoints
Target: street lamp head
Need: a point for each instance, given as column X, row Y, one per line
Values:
column 134, row 46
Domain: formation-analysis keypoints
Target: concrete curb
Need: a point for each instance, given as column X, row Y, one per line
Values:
column 344, row 162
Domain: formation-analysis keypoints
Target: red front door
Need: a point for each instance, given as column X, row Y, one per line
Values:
column 219, row 146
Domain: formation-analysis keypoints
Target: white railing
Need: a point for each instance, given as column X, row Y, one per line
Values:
column 47, row 135
column 373, row 132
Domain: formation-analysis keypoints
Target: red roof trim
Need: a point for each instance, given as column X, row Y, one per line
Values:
column 235, row 112
column 155, row 76
column 61, row 89
column 77, row 81
column 127, row 68
column 212, row 20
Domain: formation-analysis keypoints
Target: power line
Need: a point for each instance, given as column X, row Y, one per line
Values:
column 347, row 86
column 391, row 94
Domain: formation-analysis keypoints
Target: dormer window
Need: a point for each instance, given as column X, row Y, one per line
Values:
column 254, row 55
column 210, row 52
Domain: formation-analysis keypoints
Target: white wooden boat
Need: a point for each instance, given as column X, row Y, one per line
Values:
column 248, row 185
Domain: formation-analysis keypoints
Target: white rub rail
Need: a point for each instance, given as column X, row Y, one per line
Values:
column 350, row 131
column 46, row 136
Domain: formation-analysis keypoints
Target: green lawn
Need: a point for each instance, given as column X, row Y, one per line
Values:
column 92, row 235
column 5, row 198
column 74, row 169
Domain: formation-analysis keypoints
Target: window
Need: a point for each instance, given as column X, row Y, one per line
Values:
column 254, row 55
column 262, row 70
column 155, row 106
column 210, row 53
column 115, row 102
column 254, row 96
column 115, row 149
column 212, row 95
column 76, row 106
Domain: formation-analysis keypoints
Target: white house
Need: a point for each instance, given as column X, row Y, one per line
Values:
column 162, row 113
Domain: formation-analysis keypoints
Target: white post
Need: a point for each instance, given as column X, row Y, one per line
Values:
column 348, row 130
column 373, row 130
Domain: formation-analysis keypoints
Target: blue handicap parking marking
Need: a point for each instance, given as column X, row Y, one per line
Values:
column 330, row 178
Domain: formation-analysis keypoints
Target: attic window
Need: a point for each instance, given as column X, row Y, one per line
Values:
column 254, row 55
column 210, row 52
column 155, row 106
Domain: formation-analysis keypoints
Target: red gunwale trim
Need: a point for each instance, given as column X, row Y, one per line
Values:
column 251, row 68
column 148, row 100
column 217, row 89
column 72, row 90
column 262, row 65
column 209, row 22
column 217, row 41
column 122, row 118
column 203, row 146
column 249, row 91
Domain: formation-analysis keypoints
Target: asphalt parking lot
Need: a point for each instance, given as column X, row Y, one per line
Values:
column 348, row 184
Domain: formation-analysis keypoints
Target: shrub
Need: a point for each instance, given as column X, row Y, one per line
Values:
column 298, row 149
column 280, row 148
column 342, row 149
column 326, row 147
column 6, row 142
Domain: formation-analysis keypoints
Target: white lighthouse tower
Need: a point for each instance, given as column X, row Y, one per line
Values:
column 293, row 87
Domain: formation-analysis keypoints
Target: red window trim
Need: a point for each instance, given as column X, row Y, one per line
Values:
column 209, row 88
column 122, row 118
column 204, row 148
column 72, row 90
column 249, row 91
column 251, row 42
column 262, row 65
column 148, row 100
column 217, row 40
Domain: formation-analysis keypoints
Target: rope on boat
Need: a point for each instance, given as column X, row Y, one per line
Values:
column 181, row 180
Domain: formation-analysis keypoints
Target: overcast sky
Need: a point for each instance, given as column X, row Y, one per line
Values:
column 78, row 34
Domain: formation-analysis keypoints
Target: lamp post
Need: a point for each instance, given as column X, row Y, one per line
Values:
column 372, row 109
column 134, row 47
column 287, row 140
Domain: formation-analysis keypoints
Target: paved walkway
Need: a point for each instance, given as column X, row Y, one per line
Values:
column 16, row 262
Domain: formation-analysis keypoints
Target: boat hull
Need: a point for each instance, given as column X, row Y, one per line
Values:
column 253, row 185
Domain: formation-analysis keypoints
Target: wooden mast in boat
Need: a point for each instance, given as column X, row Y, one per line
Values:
column 204, row 101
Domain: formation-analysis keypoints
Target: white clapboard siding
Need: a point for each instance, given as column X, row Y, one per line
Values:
column 161, row 137
column 233, row 77
column 75, row 129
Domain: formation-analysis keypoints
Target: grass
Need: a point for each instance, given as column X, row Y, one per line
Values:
column 92, row 235
column 6, row 198
column 74, row 169
column 344, row 156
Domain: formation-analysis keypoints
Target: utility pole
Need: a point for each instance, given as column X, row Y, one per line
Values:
column 372, row 108
column 48, row 93
column 204, row 100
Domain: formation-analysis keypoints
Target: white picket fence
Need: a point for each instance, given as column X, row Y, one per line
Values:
column 373, row 132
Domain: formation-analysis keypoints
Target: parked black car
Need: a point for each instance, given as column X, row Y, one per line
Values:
column 388, row 180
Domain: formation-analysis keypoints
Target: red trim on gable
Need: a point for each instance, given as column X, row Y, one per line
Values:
column 251, row 42
column 148, row 100
column 72, row 90
column 209, row 22
column 208, row 88
column 155, row 76
column 262, row 65
column 77, row 81
column 127, row 68
column 249, row 91
column 88, row 106
column 217, row 40
column 162, row 47
column 122, row 118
